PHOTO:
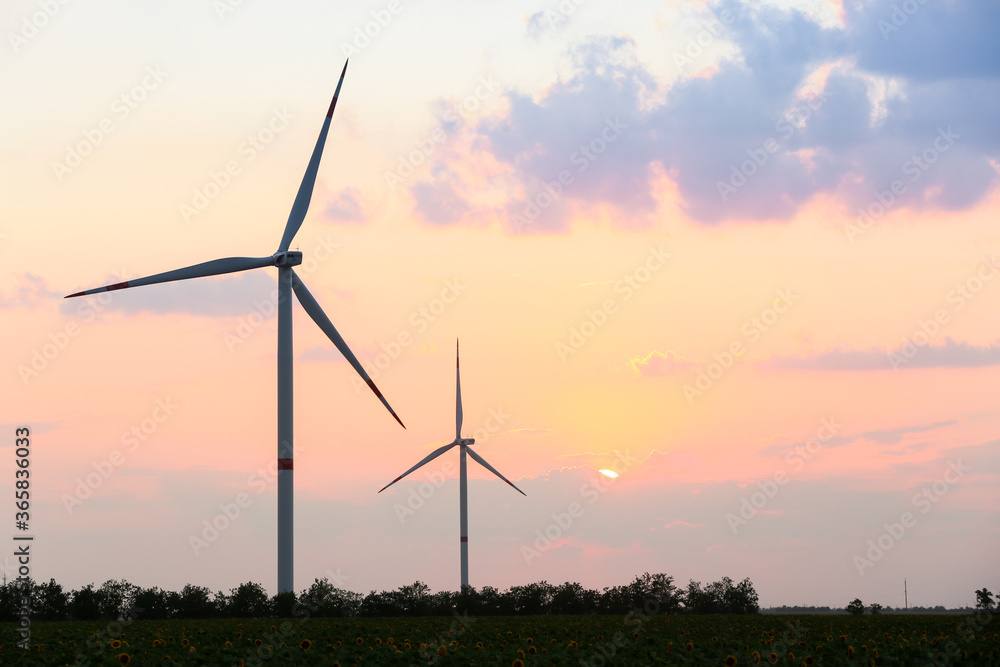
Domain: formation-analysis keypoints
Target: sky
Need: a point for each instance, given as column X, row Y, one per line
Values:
column 744, row 255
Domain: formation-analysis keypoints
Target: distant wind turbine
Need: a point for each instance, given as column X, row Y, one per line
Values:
column 463, row 494
column 288, row 282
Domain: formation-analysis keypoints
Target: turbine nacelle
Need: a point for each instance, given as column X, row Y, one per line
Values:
column 465, row 441
column 287, row 258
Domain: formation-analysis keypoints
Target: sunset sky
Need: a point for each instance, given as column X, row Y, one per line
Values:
column 745, row 255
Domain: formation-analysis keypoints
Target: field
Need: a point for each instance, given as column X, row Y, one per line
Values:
column 530, row 640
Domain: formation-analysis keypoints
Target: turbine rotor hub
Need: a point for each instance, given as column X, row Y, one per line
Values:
column 466, row 441
column 287, row 258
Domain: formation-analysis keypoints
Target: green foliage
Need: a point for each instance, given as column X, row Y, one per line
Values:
column 984, row 600
column 625, row 639
column 856, row 607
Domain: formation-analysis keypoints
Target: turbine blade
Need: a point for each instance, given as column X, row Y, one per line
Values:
column 459, row 415
column 323, row 322
column 301, row 204
column 493, row 470
column 427, row 459
column 214, row 268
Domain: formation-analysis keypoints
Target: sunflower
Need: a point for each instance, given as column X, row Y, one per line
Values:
column 123, row 658
column 850, row 651
column 442, row 650
column 185, row 642
column 809, row 660
column 772, row 657
column 378, row 641
column 572, row 644
column 755, row 657
column 520, row 653
column 689, row 647
column 305, row 644
column 532, row 650
column 115, row 643
column 257, row 642
column 517, row 663
column 730, row 661
column 359, row 641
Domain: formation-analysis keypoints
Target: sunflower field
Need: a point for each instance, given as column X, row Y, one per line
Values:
column 635, row 639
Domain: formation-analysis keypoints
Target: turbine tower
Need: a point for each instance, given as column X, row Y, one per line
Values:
column 463, row 445
column 288, row 283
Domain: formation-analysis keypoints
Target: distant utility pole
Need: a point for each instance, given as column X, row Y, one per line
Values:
column 906, row 600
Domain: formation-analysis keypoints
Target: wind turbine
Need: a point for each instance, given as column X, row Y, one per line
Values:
column 463, row 493
column 288, row 283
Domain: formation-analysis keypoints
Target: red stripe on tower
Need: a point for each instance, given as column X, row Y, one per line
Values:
column 464, row 539
column 285, row 464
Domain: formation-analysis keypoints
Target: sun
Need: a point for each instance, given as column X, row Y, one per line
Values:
column 608, row 473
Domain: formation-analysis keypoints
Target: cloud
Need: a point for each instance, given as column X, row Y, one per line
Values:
column 345, row 207
column 438, row 203
column 658, row 363
column 931, row 41
column 886, row 438
column 950, row 354
column 29, row 291
column 798, row 110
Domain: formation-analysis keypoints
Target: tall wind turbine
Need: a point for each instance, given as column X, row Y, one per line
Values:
column 463, row 493
column 288, row 283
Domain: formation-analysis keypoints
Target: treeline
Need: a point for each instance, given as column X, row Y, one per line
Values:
column 648, row 594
